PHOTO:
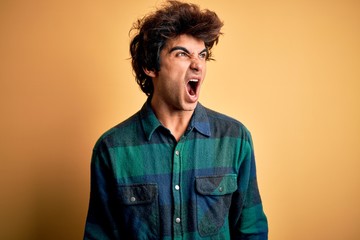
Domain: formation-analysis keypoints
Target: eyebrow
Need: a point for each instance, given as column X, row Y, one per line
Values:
column 185, row 50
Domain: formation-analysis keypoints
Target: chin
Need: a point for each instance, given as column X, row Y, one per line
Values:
column 190, row 106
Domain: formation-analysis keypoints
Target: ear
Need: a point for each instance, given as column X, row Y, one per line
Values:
column 150, row 73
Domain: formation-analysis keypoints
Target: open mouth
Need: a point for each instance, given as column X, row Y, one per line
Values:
column 192, row 86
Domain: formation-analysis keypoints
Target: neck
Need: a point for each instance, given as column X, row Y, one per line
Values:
column 175, row 120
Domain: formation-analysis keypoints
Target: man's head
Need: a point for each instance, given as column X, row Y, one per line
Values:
column 169, row 22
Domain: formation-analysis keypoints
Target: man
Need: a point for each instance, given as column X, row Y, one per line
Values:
column 175, row 169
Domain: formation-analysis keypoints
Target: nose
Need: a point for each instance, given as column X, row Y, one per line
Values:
column 196, row 64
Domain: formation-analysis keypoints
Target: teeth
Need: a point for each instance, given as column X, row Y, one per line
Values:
column 193, row 80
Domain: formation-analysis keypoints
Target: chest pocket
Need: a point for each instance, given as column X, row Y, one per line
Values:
column 137, row 193
column 138, row 207
column 213, row 201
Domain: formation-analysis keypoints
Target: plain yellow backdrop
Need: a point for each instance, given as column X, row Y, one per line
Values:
column 288, row 69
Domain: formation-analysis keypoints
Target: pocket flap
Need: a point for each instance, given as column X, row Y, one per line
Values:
column 216, row 185
column 137, row 193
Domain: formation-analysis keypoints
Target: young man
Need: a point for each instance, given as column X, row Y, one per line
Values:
column 175, row 169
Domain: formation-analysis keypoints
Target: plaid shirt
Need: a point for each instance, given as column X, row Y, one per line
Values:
column 146, row 185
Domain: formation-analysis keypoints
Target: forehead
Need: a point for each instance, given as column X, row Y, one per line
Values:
column 186, row 41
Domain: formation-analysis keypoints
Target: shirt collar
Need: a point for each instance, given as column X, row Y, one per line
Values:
column 148, row 119
column 150, row 123
column 200, row 120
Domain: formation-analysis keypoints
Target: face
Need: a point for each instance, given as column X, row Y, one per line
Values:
column 182, row 72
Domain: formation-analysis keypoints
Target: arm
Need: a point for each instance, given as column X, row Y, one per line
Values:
column 246, row 213
column 100, row 222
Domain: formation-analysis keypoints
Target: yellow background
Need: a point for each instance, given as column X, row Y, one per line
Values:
column 288, row 69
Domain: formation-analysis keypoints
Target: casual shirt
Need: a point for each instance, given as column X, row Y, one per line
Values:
column 147, row 185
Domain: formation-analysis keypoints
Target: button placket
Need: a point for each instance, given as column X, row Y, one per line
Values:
column 177, row 158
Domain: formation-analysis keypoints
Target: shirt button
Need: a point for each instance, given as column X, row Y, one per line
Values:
column 177, row 153
column 177, row 187
column 220, row 189
column 132, row 199
column 177, row 220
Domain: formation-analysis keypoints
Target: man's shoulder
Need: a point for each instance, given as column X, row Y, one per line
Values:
column 218, row 117
column 122, row 132
column 225, row 124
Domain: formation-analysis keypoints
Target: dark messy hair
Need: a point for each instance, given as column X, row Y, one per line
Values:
column 153, row 31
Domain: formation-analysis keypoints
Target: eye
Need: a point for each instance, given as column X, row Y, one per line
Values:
column 181, row 54
column 203, row 55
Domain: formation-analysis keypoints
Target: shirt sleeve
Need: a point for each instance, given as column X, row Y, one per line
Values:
column 246, row 214
column 100, row 223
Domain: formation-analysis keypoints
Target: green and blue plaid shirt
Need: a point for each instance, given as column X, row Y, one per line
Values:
column 146, row 185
